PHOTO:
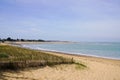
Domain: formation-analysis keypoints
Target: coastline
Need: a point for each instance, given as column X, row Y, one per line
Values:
column 19, row 44
column 75, row 54
column 97, row 69
column 62, row 52
column 91, row 58
column 27, row 42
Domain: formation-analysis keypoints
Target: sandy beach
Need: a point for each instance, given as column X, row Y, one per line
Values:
column 97, row 69
column 59, row 39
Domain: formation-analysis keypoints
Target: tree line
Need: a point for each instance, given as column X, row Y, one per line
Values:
column 22, row 40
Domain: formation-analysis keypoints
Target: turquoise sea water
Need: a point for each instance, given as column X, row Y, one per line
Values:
column 99, row 49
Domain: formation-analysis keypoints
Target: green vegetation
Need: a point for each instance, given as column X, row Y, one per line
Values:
column 3, row 55
column 12, row 57
column 80, row 66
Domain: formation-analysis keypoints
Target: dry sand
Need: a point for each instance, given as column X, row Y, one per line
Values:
column 97, row 69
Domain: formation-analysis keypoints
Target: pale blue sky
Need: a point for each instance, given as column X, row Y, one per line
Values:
column 72, row 20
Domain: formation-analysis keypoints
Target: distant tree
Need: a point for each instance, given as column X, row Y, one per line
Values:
column 41, row 40
column 9, row 39
column 22, row 40
column 18, row 40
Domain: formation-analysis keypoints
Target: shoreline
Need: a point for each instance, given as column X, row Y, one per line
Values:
column 91, row 58
column 68, row 53
column 74, row 54
column 27, row 42
column 20, row 44
column 97, row 69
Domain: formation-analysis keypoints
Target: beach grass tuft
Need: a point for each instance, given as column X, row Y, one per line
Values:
column 80, row 66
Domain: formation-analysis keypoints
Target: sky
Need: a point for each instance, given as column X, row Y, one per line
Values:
column 66, row 20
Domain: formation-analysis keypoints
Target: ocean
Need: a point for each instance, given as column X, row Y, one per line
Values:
column 98, row 49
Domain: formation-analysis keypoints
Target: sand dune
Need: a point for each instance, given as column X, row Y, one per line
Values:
column 97, row 69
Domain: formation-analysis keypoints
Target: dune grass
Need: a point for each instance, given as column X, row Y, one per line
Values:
column 12, row 57
column 80, row 66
